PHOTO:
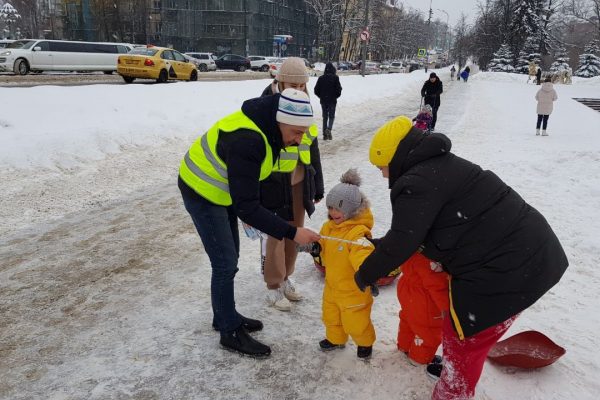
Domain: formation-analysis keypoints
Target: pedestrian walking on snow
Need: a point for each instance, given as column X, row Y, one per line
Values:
column 431, row 92
column 292, row 189
column 328, row 89
column 219, row 181
column 545, row 97
column 538, row 76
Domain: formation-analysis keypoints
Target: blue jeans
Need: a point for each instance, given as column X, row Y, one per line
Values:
column 218, row 229
column 328, row 115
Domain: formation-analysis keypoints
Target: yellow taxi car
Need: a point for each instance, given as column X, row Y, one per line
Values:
column 152, row 62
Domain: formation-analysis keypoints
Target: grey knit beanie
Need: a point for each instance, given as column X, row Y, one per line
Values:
column 346, row 196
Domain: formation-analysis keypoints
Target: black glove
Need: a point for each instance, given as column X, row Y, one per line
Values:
column 315, row 249
column 362, row 285
column 375, row 242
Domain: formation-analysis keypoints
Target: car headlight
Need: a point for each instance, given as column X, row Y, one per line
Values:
column 5, row 53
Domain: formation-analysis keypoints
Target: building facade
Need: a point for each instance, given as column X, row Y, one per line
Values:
column 220, row 26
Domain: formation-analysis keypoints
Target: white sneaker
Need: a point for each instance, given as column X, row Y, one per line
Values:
column 544, row 133
column 289, row 291
column 537, row 132
column 277, row 300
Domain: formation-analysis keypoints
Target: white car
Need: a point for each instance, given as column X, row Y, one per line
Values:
column 274, row 66
column 206, row 61
column 260, row 63
column 396, row 66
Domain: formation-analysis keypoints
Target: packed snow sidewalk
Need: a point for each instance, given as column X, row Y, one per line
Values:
column 104, row 287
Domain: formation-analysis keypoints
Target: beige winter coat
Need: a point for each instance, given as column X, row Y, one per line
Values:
column 545, row 98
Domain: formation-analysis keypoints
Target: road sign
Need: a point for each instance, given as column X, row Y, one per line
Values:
column 422, row 52
column 365, row 35
column 284, row 47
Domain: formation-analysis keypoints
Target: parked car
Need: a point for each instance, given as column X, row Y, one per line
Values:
column 384, row 66
column 260, row 63
column 232, row 61
column 274, row 66
column 206, row 61
column 37, row 55
column 158, row 63
column 371, row 67
column 396, row 66
column 5, row 42
column 344, row 66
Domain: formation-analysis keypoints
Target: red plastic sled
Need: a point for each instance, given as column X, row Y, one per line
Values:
column 529, row 349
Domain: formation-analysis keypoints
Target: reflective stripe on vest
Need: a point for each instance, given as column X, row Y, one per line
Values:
column 288, row 157
column 202, row 169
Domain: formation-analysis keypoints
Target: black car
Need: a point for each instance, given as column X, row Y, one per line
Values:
column 232, row 61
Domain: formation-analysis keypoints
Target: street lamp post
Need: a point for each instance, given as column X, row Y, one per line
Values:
column 445, row 30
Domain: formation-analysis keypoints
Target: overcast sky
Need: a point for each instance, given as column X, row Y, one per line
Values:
column 453, row 7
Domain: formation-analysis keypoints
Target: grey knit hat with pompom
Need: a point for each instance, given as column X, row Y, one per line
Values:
column 346, row 196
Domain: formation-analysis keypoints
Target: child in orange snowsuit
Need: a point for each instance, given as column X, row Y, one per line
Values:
column 423, row 296
column 346, row 309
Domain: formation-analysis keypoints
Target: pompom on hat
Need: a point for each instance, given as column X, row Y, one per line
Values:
column 346, row 195
column 386, row 140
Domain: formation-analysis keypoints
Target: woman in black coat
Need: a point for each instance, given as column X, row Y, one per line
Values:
column 499, row 251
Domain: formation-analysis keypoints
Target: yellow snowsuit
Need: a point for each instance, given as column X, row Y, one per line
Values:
column 346, row 310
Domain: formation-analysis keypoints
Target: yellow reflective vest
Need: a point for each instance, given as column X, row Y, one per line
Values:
column 202, row 169
column 288, row 157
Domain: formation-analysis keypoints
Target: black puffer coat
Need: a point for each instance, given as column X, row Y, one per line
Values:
column 500, row 252
column 431, row 91
column 328, row 88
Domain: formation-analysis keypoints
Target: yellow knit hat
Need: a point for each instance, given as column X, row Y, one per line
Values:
column 386, row 140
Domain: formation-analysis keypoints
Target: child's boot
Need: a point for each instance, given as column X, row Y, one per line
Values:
column 537, row 132
column 544, row 133
column 434, row 371
column 326, row 345
column 364, row 352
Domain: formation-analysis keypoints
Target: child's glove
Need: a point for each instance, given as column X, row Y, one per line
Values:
column 363, row 285
column 314, row 248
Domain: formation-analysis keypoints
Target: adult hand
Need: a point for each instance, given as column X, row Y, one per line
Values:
column 305, row 236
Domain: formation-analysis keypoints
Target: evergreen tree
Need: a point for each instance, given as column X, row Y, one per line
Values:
column 528, row 53
column 589, row 62
column 525, row 22
column 502, row 61
column 561, row 60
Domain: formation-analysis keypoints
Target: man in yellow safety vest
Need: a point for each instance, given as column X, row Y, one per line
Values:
column 219, row 182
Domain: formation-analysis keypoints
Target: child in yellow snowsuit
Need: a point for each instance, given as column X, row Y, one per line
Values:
column 346, row 310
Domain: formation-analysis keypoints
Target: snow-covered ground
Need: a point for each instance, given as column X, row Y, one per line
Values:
column 104, row 287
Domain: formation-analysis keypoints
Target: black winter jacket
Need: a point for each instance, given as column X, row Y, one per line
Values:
column 432, row 91
column 243, row 151
column 500, row 252
column 328, row 87
column 276, row 190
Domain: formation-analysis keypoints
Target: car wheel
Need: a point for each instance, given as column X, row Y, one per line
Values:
column 241, row 68
column 203, row 68
column 194, row 76
column 163, row 76
column 21, row 67
column 128, row 79
column 265, row 68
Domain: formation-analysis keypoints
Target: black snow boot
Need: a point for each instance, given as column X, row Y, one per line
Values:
column 434, row 371
column 326, row 345
column 241, row 342
column 364, row 351
column 251, row 325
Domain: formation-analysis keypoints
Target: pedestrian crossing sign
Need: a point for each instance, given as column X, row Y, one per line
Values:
column 422, row 52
